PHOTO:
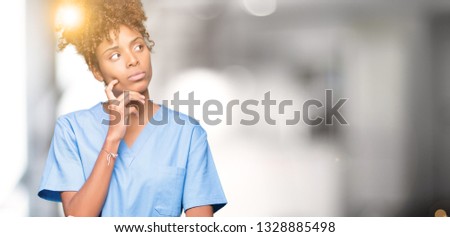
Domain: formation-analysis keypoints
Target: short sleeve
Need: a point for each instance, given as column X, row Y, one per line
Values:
column 63, row 169
column 202, row 184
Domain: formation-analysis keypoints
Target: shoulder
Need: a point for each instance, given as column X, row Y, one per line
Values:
column 173, row 117
column 79, row 118
column 182, row 121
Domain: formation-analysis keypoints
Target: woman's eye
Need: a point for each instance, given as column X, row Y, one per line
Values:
column 138, row 47
column 115, row 56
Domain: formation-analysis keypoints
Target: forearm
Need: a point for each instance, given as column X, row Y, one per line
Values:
column 89, row 200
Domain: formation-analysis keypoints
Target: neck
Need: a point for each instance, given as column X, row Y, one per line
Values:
column 146, row 94
column 145, row 112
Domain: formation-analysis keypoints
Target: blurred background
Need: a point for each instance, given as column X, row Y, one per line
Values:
column 390, row 59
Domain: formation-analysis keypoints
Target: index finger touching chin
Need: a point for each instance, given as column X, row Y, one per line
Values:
column 108, row 89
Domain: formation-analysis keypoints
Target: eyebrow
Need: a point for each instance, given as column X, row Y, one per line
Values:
column 116, row 47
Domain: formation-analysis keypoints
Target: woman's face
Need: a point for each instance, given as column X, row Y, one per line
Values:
column 125, row 58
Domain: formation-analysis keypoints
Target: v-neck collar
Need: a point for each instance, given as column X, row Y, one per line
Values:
column 128, row 154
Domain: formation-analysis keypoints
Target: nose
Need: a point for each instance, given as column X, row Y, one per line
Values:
column 132, row 60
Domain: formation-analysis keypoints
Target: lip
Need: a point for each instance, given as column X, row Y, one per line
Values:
column 137, row 76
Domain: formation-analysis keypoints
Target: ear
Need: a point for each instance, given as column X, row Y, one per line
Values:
column 97, row 74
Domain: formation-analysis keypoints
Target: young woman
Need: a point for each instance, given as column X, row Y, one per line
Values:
column 128, row 156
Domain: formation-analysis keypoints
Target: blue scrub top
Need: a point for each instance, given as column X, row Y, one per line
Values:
column 168, row 168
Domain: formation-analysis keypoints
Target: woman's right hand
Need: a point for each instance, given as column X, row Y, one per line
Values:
column 119, row 113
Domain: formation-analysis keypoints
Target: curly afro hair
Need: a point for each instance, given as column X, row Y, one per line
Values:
column 99, row 18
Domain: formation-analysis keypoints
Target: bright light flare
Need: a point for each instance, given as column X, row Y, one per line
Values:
column 260, row 7
column 69, row 16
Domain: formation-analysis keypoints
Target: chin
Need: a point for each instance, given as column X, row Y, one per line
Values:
column 139, row 86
